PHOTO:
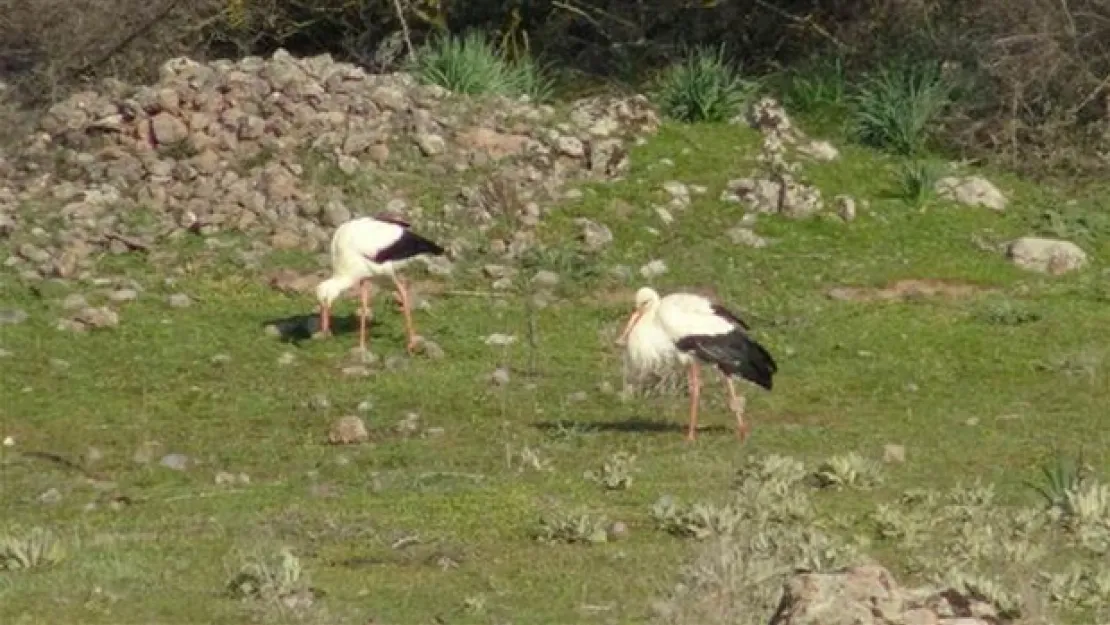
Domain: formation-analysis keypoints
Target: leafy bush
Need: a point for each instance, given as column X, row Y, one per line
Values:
column 894, row 108
column 704, row 87
column 471, row 65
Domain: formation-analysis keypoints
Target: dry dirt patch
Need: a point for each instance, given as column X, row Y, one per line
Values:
column 909, row 289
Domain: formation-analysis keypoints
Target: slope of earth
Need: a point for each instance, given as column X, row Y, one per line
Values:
column 197, row 441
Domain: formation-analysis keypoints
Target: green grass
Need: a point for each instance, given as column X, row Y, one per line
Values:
column 411, row 529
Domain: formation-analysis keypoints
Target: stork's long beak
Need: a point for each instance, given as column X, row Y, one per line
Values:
column 628, row 327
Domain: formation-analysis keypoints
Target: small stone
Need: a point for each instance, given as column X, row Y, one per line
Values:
column 348, row 430
column 168, row 129
column 356, row 371
column 92, row 455
column 820, row 150
column 545, row 279
column 744, row 236
column 9, row 441
column 286, row 358
column 50, row 497
column 179, row 300
column 432, row 350
column 319, row 402
column 845, row 207
column 500, row 340
column 73, row 301
column 500, row 376
column 13, row 316
column 570, row 146
column 220, row 359
column 123, row 295
column 95, row 318
column 177, row 462
column 677, row 190
column 894, row 453
column 617, row 530
column 971, row 191
column 595, row 236
column 224, row 478
column 431, row 144
column 654, row 268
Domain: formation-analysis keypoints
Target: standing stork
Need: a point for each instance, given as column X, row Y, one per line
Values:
column 362, row 250
column 691, row 328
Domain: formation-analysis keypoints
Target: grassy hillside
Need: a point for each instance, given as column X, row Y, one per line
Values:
column 436, row 518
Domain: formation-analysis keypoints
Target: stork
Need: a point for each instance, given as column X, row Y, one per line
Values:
column 364, row 249
column 691, row 329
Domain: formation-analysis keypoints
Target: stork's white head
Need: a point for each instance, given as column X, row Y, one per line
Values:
column 329, row 290
column 646, row 298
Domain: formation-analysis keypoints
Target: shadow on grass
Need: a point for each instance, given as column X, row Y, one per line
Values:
column 298, row 328
column 635, row 425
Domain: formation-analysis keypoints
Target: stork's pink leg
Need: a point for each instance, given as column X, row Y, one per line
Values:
column 406, row 310
column 695, row 393
column 736, row 403
column 325, row 319
column 363, row 313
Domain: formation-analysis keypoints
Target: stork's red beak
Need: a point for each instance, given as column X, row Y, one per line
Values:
column 628, row 327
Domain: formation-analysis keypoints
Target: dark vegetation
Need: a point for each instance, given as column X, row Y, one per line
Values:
column 1027, row 80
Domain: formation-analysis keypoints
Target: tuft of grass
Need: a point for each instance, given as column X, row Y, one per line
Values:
column 703, row 87
column 33, row 549
column 616, row 472
column 894, row 108
column 471, row 65
column 277, row 579
column 850, row 470
column 917, row 182
column 572, row 528
column 819, row 88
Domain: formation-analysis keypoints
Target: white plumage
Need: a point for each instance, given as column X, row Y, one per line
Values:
column 684, row 328
column 366, row 248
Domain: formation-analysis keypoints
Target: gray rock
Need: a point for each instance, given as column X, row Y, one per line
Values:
column 13, row 316
column 545, row 279
column 179, row 300
column 499, row 377
column 168, row 129
column 431, row 144
column 123, row 295
column 177, row 462
column 1051, row 256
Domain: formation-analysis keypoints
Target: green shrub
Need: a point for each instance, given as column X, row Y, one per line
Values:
column 704, row 87
column 895, row 107
column 471, row 65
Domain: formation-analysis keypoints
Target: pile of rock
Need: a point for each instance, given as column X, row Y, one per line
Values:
column 231, row 145
column 869, row 595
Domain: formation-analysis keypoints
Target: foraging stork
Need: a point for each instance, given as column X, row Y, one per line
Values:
column 691, row 328
column 366, row 248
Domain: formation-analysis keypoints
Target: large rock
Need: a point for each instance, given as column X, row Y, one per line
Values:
column 869, row 595
column 971, row 191
column 1051, row 256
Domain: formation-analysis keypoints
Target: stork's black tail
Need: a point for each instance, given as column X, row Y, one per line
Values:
column 734, row 354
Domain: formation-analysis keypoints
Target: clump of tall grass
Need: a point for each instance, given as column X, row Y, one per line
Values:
column 471, row 65
column 895, row 107
column 703, row 87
